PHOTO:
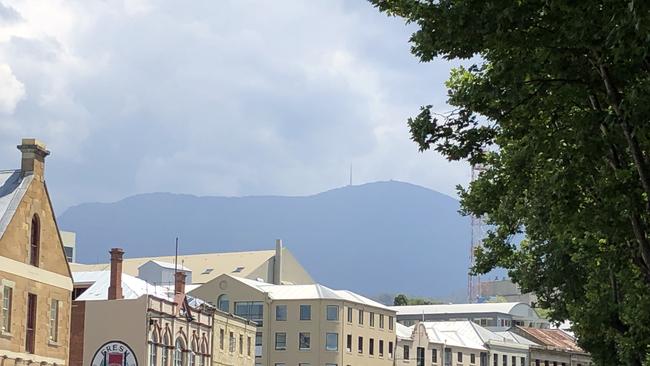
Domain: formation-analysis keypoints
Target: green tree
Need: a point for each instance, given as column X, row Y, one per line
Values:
column 401, row 300
column 557, row 112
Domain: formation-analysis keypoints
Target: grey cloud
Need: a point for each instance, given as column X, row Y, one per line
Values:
column 241, row 97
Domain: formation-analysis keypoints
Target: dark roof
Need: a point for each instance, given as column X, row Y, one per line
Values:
column 552, row 338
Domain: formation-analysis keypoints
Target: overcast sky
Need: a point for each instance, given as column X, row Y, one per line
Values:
column 215, row 97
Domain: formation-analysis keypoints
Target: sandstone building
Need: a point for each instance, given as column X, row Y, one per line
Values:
column 35, row 280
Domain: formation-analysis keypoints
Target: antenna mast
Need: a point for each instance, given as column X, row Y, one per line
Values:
column 477, row 235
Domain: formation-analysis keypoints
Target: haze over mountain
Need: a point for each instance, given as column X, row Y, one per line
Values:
column 383, row 237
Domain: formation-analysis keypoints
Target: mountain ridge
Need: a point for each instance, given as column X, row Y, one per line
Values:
column 365, row 238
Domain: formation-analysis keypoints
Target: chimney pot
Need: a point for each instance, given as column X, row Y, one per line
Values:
column 33, row 157
column 115, row 288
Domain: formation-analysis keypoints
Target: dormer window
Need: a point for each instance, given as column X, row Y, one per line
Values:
column 238, row 269
column 35, row 241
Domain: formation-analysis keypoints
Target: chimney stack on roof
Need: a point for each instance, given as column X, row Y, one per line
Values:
column 277, row 263
column 179, row 283
column 33, row 158
column 115, row 288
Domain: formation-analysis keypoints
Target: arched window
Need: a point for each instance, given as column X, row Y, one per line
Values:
column 35, row 241
column 153, row 348
column 179, row 352
column 223, row 303
column 193, row 353
column 204, row 351
column 165, row 351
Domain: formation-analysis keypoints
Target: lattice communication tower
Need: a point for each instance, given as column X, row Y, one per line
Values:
column 477, row 235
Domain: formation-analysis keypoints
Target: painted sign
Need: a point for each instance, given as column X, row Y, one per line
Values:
column 114, row 353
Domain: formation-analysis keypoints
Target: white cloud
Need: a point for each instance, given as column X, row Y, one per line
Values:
column 11, row 90
column 232, row 97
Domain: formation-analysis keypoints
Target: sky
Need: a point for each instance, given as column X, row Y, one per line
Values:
column 211, row 97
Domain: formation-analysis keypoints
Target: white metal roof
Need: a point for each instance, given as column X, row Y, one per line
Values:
column 132, row 287
column 169, row 265
column 403, row 332
column 514, row 337
column 308, row 292
column 12, row 189
column 503, row 307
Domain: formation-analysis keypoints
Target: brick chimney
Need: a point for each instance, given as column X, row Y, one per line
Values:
column 33, row 159
column 179, row 283
column 115, row 288
column 277, row 263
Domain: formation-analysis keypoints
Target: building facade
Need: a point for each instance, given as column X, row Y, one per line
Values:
column 307, row 324
column 35, row 280
column 553, row 347
column 493, row 316
column 456, row 343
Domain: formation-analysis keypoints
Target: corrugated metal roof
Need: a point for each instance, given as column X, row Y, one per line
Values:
column 503, row 307
column 132, row 287
column 308, row 292
column 461, row 333
column 403, row 332
column 12, row 189
column 169, row 265
column 514, row 337
column 553, row 338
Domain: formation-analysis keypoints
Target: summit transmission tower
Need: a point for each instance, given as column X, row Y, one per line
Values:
column 477, row 235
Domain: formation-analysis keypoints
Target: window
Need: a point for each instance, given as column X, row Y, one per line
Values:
column 207, row 271
column 390, row 349
column 448, row 356
column 546, row 363
column 251, row 310
column 522, row 361
column 281, row 341
column 192, row 353
column 460, row 356
column 332, row 312
column 231, row 342
column 249, row 346
column 360, row 316
column 371, row 346
column 514, row 360
column 472, row 358
column 178, row 353
column 54, row 320
column 280, row 364
column 496, row 360
column 381, row 348
column 419, row 356
column 30, row 330
column 536, row 362
column 390, row 322
column 332, row 341
column 330, row 364
column 348, row 343
column 222, row 335
column 7, row 298
column 305, row 312
column 304, row 340
column 241, row 344
column 360, row 345
column 303, row 364
column 258, row 344
column 434, row 355
column 505, row 360
column 238, row 269
column 407, row 356
column 281, row 313
column 372, row 319
column 35, row 241
column 153, row 348
column 381, row 321
column 223, row 303
column 165, row 350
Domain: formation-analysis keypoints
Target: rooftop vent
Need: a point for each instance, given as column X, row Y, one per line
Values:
column 207, row 271
column 238, row 269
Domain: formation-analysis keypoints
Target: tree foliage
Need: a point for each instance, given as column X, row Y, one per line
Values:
column 557, row 112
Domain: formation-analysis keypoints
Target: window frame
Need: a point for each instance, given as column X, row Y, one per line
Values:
column 327, row 341
column 6, row 307
column 278, row 312
column 305, row 312
column 278, row 336
column 336, row 313
column 54, row 315
column 301, row 336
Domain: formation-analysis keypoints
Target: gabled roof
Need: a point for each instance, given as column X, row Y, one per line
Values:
column 308, row 292
column 168, row 265
column 204, row 267
column 552, row 338
column 12, row 189
column 403, row 332
column 132, row 287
